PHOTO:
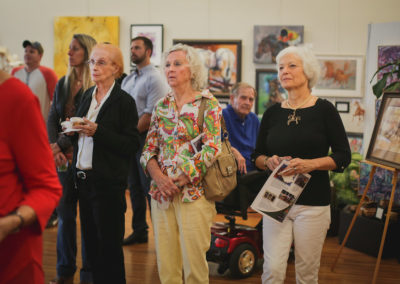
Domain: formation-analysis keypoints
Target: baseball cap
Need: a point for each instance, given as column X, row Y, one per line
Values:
column 36, row 45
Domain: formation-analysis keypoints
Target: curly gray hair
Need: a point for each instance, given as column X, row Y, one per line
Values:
column 311, row 65
column 197, row 69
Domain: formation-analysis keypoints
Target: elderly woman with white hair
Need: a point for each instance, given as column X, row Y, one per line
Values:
column 181, row 215
column 102, row 151
column 301, row 129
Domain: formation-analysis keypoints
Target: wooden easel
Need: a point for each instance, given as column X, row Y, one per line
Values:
column 394, row 182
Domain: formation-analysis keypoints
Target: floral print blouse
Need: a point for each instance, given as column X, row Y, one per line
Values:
column 169, row 136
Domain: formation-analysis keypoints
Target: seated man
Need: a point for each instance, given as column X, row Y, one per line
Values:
column 243, row 126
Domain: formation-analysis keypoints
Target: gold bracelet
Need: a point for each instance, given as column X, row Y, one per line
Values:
column 265, row 161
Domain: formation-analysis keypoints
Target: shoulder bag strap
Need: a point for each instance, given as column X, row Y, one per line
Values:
column 201, row 119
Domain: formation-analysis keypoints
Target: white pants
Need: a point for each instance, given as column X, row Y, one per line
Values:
column 307, row 227
column 182, row 236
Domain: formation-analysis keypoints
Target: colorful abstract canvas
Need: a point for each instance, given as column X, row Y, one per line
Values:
column 388, row 54
column 381, row 185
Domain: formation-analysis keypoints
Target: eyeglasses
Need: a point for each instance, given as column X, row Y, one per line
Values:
column 100, row 62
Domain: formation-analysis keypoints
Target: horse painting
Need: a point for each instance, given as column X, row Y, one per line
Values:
column 270, row 45
column 270, row 40
column 221, row 68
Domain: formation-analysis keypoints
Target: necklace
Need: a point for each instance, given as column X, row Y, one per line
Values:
column 292, row 117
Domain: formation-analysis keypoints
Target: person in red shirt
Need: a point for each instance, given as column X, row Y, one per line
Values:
column 29, row 186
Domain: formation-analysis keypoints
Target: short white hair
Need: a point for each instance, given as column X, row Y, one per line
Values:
column 197, row 69
column 311, row 66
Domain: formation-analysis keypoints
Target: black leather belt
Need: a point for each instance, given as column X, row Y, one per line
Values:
column 83, row 175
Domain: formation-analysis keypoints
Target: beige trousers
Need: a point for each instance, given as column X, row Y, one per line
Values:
column 182, row 236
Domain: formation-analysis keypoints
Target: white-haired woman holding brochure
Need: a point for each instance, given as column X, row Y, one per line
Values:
column 304, row 128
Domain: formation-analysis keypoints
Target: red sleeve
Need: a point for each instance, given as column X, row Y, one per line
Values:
column 51, row 80
column 16, row 69
column 33, row 156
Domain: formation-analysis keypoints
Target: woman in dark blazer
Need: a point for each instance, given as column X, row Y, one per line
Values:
column 102, row 151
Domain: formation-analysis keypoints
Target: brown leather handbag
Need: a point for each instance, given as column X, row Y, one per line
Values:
column 220, row 178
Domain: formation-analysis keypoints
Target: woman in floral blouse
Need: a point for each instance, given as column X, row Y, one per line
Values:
column 181, row 214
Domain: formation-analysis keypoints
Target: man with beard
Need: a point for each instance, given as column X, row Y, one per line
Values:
column 146, row 86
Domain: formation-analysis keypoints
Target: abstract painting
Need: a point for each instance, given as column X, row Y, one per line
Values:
column 222, row 58
column 155, row 34
column 387, row 54
column 102, row 29
column 269, row 90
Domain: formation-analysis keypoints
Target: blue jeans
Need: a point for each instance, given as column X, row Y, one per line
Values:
column 66, row 235
column 139, row 186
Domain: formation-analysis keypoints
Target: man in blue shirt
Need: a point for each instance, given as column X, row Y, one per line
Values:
column 242, row 125
column 146, row 86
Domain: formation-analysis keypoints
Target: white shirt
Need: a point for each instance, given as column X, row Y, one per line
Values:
column 37, row 83
column 85, row 143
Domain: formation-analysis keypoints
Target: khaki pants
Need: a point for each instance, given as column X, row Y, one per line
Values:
column 182, row 236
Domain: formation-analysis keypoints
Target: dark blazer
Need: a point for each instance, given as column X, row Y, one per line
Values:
column 116, row 138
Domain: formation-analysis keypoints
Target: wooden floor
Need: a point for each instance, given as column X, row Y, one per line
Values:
column 140, row 262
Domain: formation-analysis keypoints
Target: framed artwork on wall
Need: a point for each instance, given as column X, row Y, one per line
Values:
column 341, row 76
column 100, row 28
column 355, row 141
column 388, row 54
column 223, row 60
column 223, row 100
column 353, row 119
column 155, row 33
column 384, row 147
column 269, row 40
column 269, row 90
column 343, row 107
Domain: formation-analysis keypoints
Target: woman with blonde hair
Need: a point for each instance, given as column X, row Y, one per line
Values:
column 67, row 98
column 181, row 215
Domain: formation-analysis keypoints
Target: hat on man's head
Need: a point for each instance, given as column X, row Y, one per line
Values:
column 36, row 45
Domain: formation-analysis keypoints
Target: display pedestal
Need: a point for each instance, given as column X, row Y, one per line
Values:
column 371, row 175
column 366, row 235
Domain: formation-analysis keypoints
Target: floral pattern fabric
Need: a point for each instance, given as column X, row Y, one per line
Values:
column 169, row 136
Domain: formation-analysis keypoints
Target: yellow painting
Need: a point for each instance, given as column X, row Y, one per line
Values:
column 102, row 29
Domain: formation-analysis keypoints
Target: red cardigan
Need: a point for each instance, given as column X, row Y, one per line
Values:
column 27, row 177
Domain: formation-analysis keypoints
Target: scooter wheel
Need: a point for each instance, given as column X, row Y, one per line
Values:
column 243, row 261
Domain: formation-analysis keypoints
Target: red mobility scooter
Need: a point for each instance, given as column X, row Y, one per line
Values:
column 234, row 246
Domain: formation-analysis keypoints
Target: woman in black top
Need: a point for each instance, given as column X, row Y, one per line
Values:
column 301, row 129
column 66, row 100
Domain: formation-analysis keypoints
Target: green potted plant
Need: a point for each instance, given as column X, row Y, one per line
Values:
column 392, row 69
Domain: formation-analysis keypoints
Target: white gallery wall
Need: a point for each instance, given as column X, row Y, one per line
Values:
column 333, row 27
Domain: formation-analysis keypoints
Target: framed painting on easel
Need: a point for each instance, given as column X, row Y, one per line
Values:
column 384, row 147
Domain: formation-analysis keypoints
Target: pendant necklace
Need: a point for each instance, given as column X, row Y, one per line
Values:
column 292, row 117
